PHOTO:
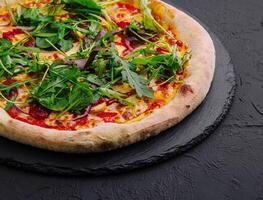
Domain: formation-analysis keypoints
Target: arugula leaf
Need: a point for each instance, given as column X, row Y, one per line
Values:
column 137, row 82
column 80, row 96
column 135, row 29
column 13, row 58
column 134, row 80
column 8, row 88
column 65, row 45
column 94, row 28
column 43, row 44
column 45, row 34
column 10, row 103
column 152, row 60
column 53, row 8
column 83, row 7
column 5, row 44
column 67, row 72
column 32, row 17
column 114, row 95
column 92, row 78
column 99, row 66
column 35, row 67
column 148, row 20
column 55, row 35
column 5, row 68
column 162, row 65
column 51, row 94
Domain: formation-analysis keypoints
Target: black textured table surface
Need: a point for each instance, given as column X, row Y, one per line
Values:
column 228, row 165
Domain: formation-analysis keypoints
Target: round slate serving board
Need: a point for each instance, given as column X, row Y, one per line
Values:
column 171, row 142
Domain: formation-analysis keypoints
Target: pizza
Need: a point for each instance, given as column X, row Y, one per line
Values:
column 90, row 76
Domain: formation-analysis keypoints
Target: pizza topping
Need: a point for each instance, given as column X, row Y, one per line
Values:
column 11, row 34
column 30, row 43
column 123, row 24
column 12, row 94
column 179, row 43
column 108, row 116
column 82, row 121
column 37, row 111
column 74, row 64
column 127, row 115
column 99, row 107
column 14, row 112
column 112, row 101
column 4, row 20
column 162, row 50
column 186, row 88
column 154, row 105
column 128, row 6
column 126, row 43
column 9, row 81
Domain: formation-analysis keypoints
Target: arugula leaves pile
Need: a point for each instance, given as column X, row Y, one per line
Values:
column 31, row 16
column 162, row 66
column 51, row 34
column 61, row 90
column 13, row 59
column 65, row 86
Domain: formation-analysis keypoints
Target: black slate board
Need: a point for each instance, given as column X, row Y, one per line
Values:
column 174, row 141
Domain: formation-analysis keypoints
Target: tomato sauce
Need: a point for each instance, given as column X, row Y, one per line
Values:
column 164, row 86
column 101, row 100
column 5, row 16
column 14, row 112
column 154, row 105
column 179, row 43
column 11, row 34
column 38, row 112
column 122, row 24
column 107, row 116
column 9, row 82
column 128, row 7
column 162, row 50
column 112, row 101
column 82, row 121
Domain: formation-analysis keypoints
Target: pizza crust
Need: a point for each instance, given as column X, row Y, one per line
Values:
column 110, row 136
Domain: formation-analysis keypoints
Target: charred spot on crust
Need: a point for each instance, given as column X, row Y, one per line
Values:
column 105, row 146
column 186, row 88
column 2, row 127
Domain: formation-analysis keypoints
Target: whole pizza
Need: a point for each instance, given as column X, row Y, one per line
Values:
column 89, row 76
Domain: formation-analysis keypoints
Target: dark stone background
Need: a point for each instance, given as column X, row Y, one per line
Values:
column 226, row 166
